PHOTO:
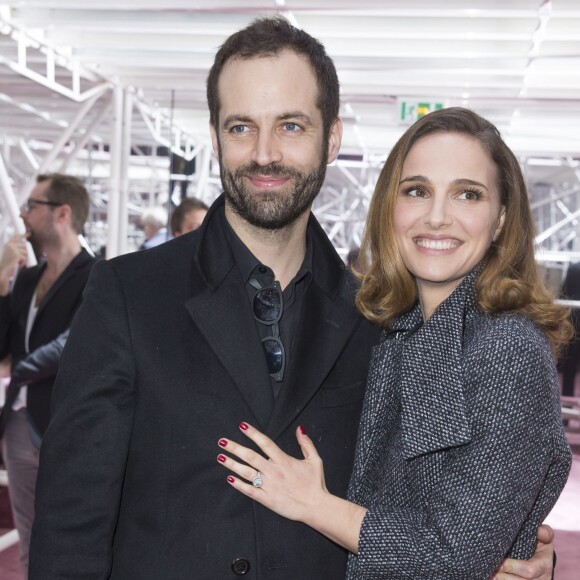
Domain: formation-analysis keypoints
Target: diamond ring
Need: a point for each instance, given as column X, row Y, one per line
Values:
column 257, row 481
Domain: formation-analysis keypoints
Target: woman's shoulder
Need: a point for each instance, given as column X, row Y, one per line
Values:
column 504, row 330
column 509, row 350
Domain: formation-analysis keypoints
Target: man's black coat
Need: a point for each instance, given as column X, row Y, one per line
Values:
column 164, row 358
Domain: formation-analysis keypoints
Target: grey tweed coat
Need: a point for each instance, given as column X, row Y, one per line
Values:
column 461, row 452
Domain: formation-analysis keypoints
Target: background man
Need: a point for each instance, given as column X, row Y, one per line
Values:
column 187, row 216
column 34, row 319
column 154, row 222
column 257, row 322
column 571, row 360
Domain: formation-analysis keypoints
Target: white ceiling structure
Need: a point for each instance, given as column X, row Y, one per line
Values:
column 82, row 86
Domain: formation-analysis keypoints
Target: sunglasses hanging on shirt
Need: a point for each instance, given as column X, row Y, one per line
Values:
column 268, row 306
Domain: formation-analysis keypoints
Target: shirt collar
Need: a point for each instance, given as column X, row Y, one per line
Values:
column 247, row 262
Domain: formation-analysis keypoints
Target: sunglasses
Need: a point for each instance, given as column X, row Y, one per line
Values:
column 26, row 207
column 268, row 305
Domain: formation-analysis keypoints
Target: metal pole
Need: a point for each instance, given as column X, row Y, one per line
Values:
column 68, row 132
column 170, row 152
column 203, row 161
column 114, row 187
column 85, row 138
column 63, row 139
column 124, row 172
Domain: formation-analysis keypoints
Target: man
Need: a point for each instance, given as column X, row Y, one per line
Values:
column 187, row 216
column 257, row 323
column 571, row 360
column 154, row 222
column 34, row 320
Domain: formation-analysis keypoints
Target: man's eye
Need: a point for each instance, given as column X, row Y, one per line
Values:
column 239, row 129
column 291, row 127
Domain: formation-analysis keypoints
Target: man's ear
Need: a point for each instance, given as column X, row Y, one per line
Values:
column 334, row 140
column 63, row 213
column 500, row 221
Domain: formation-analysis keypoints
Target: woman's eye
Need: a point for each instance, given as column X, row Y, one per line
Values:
column 414, row 192
column 470, row 195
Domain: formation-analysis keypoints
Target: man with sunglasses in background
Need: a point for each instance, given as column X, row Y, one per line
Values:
column 249, row 318
column 34, row 318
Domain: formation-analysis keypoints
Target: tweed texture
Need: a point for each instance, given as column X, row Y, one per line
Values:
column 461, row 451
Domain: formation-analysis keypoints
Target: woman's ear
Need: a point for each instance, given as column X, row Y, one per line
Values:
column 500, row 220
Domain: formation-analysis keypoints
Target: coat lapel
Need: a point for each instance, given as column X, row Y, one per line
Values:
column 76, row 262
column 221, row 310
column 325, row 326
column 379, row 415
column 225, row 319
column 434, row 414
column 327, row 320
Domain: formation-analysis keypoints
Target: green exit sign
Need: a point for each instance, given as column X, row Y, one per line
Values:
column 413, row 110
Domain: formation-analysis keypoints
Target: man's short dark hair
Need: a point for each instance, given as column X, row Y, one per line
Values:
column 70, row 191
column 188, row 204
column 266, row 37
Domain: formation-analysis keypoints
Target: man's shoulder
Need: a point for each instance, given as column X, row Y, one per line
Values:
column 165, row 264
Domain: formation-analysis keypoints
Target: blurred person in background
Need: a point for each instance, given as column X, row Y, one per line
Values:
column 154, row 223
column 571, row 359
column 187, row 216
column 34, row 319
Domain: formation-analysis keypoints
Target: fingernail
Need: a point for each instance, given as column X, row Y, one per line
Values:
column 222, row 458
column 244, row 426
column 230, row 479
column 222, row 443
column 302, row 430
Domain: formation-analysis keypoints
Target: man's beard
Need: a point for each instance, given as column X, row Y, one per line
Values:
column 43, row 237
column 272, row 210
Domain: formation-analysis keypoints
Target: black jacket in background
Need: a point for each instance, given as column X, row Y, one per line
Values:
column 54, row 317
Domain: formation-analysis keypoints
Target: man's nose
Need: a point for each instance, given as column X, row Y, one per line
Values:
column 266, row 149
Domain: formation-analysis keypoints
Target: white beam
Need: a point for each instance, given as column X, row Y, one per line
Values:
column 86, row 137
column 115, row 149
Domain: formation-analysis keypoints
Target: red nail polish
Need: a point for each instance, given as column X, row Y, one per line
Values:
column 222, row 458
column 230, row 479
column 222, row 443
column 244, row 426
column 302, row 430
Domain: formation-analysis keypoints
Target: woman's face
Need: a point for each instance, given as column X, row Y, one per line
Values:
column 447, row 212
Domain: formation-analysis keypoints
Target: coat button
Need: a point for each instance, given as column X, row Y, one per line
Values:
column 240, row 566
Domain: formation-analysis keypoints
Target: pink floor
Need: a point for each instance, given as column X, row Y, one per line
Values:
column 565, row 519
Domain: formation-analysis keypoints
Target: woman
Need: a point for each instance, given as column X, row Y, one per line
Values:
column 461, row 451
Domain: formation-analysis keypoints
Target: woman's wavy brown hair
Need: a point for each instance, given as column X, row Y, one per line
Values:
column 509, row 281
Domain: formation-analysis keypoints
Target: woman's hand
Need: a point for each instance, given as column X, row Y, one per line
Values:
column 290, row 487
column 293, row 488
